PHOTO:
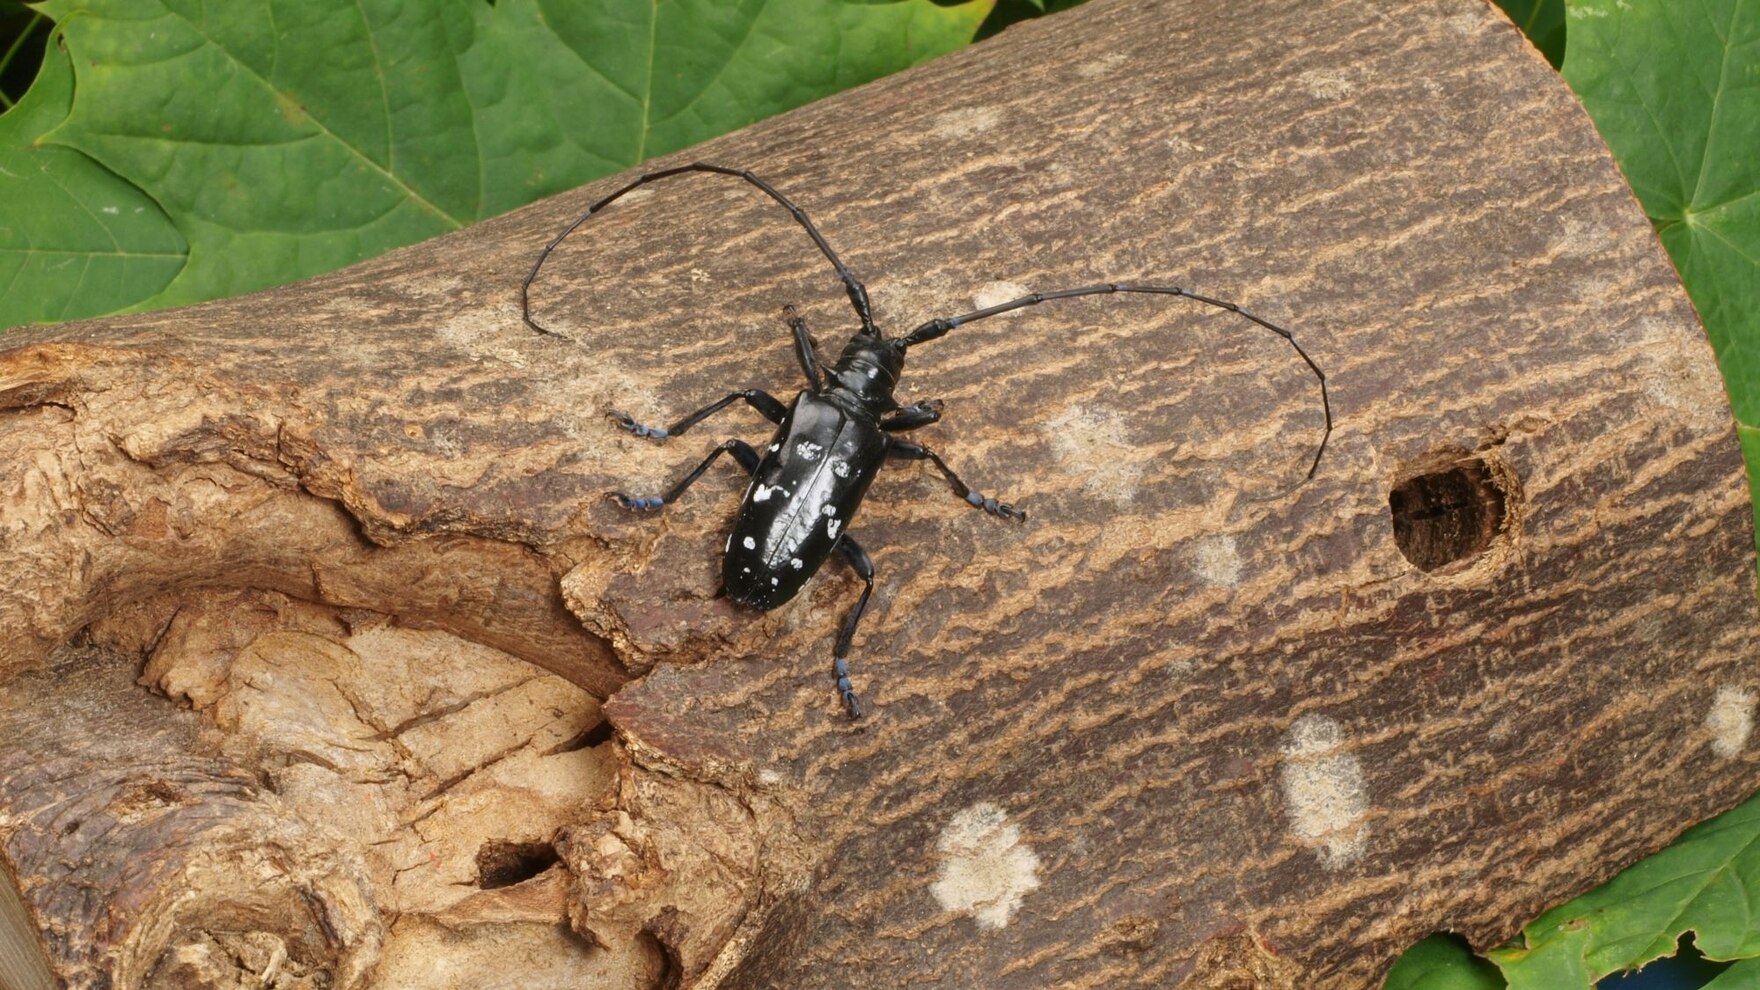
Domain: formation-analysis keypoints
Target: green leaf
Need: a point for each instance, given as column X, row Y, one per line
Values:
column 1442, row 962
column 75, row 240
column 1674, row 88
column 1706, row 882
column 290, row 137
column 1543, row 22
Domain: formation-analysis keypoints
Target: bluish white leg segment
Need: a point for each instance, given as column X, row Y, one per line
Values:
column 906, row 450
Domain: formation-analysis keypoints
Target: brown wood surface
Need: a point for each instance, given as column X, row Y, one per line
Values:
column 1167, row 732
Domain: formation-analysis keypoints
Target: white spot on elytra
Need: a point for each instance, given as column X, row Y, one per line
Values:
column 1217, row 560
column 773, row 582
column 840, row 468
column 830, row 510
column 749, row 544
column 762, row 492
column 985, row 868
column 775, row 447
column 794, row 562
column 808, row 450
column 831, row 527
column 1731, row 721
column 1323, row 789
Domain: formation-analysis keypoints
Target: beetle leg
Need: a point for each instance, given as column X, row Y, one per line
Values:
column 804, row 347
column 911, row 417
column 758, row 399
column 906, row 450
column 863, row 565
column 741, row 451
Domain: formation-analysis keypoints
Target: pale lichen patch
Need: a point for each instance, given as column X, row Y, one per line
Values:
column 995, row 293
column 1323, row 790
column 1730, row 721
column 1217, row 560
column 985, row 868
column 1095, row 445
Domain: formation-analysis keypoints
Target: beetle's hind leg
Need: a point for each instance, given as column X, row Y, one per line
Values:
column 741, row 451
column 758, row 399
column 906, row 450
column 863, row 565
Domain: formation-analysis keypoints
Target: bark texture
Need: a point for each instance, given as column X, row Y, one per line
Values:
column 1169, row 732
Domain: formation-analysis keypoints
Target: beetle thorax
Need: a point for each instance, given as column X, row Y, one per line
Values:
column 869, row 368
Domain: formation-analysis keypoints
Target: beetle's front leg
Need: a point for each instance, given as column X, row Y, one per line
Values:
column 741, row 451
column 912, row 417
column 906, row 450
column 758, row 399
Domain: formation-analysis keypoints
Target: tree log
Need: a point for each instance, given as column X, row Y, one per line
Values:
column 279, row 566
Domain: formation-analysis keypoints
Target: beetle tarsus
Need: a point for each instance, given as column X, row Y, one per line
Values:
column 627, row 422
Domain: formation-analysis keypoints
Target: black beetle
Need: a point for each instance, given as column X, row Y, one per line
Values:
column 807, row 486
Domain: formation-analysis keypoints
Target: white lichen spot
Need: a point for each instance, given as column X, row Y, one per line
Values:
column 808, row 450
column 1326, row 84
column 699, row 276
column 749, row 543
column 1095, row 445
column 1101, row 66
column 985, row 868
column 965, row 123
column 995, row 293
column 1323, row 791
column 1731, row 721
column 1217, row 560
column 831, row 527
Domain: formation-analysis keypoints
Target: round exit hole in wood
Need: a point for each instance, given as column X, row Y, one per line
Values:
column 1450, row 513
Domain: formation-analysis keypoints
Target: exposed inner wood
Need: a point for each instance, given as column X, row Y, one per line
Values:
column 327, row 663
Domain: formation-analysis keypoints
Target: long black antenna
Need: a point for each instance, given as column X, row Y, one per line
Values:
column 939, row 327
column 858, row 295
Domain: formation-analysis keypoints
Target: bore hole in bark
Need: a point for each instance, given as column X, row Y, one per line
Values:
column 503, row 864
column 1449, row 514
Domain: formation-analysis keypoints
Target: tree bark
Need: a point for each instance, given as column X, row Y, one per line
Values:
column 1188, row 725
